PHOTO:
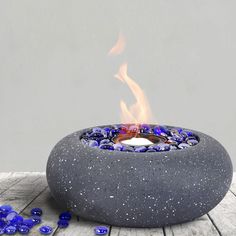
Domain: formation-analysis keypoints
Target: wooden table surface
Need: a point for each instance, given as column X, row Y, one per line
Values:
column 27, row 190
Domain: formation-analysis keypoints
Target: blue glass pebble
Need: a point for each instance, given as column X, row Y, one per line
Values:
column 145, row 129
column 177, row 137
column 97, row 129
column 2, row 223
column 2, row 231
column 189, row 133
column 104, row 141
column 96, row 135
column 192, row 142
column 164, row 147
column 45, row 229
column 174, row 131
column 9, row 230
column 13, row 217
column 140, row 149
column 127, row 149
column 183, row 145
column 93, row 143
column 65, row 215
column 114, row 132
column 106, row 146
column 23, row 229
column 28, row 222
column 62, row 223
column 118, row 146
column 156, row 147
column 4, row 210
column 36, row 219
column 101, row 230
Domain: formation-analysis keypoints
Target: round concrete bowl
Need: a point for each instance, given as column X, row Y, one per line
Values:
column 139, row 189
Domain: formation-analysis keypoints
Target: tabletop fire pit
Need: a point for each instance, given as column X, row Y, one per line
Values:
column 139, row 176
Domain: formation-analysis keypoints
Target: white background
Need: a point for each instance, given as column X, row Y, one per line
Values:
column 56, row 78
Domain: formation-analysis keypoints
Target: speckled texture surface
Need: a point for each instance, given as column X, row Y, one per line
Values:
column 139, row 189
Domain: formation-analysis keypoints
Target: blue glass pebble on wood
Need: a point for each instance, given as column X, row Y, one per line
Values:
column 23, row 229
column 36, row 219
column 13, row 218
column 36, row 211
column 9, row 230
column 101, row 230
column 28, row 222
column 62, row 223
column 4, row 210
column 2, row 223
column 45, row 229
column 65, row 216
column 1, row 231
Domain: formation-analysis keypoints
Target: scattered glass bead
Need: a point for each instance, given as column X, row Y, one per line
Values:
column 104, row 141
column 23, row 229
column 28, row 222
column 106, row 146
column 4, row 210
column 2, row 231
column 63, row 223
column 36, row 219
column 164, row 147
column 140, row 149
column 127, row 149
column 145, row 129
column 13, row 218
column 178, row 138
column 101, row 230
column 45, row 229
column 192, row 142
column 97, row 129
column 65, row 216
column 36, row 211
column 2, row 223
column 183, row 145
column 93, row 143
column 117, row 146
column 9, row 230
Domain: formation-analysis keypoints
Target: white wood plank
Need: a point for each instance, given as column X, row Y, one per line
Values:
column 7, row 180
column 200, row 227
column 21, row 194
column 78, row 228
column 224, row 215
column 233, row 185
column 117, row 231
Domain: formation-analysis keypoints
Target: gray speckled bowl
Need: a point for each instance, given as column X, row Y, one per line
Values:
column 139, row 189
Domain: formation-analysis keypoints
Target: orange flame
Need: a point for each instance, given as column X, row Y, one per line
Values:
column 139, row 112
column 119, row 47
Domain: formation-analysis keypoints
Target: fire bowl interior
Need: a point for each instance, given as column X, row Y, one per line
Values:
column 139, row 189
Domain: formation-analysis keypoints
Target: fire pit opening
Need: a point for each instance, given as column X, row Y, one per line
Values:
column 139, row 138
